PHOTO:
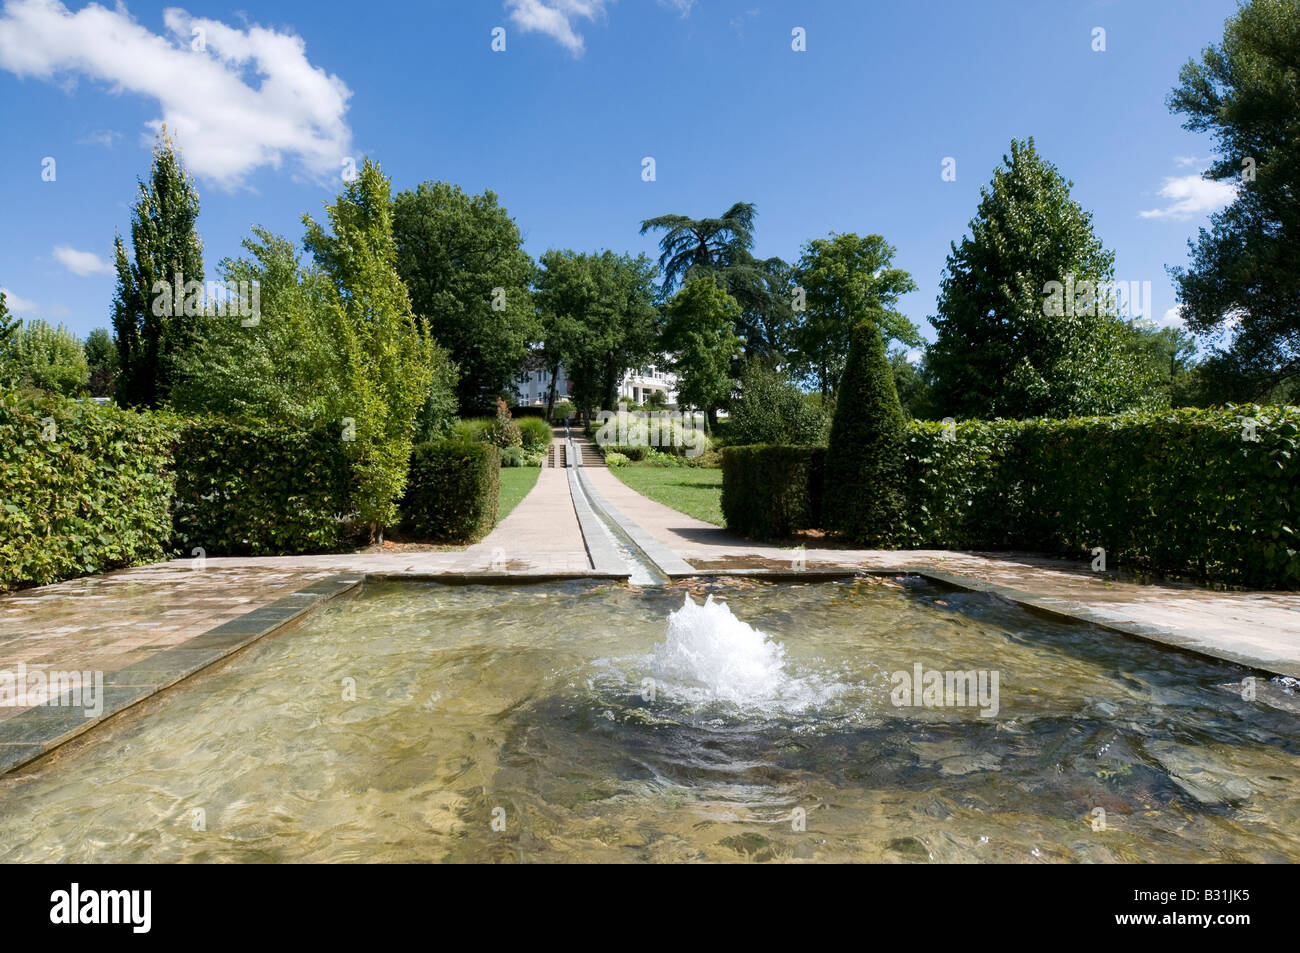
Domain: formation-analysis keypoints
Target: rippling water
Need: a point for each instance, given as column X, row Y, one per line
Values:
column 566, row 715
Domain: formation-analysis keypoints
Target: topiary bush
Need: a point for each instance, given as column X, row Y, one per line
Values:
column 84, row 488
column 770, row 491
column 256, row 489
column 864, row 462
column 453, row 491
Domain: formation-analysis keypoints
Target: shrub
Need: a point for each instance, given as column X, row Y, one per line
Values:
column 562, row 411
column 865, row 459
column 453, row 490
column 501, row 431
column 83, row 488
column 657, row 458
column 635, row 454
column 615, row 459
column 535, row 433
column 770, row 409
column 770, row 491
column 512, row 457
column 260, row 489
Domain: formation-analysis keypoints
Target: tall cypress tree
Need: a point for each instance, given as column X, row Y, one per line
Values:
column 863, row 498
column 159, row 289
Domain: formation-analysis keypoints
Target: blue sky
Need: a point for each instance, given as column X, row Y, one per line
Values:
column 849, row 135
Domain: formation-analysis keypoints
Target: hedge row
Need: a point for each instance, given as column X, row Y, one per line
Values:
column 769, row 491
column 1205, row 493
column 83, row 489
column 1184, row 492
column 453, row 491
column 260, row 490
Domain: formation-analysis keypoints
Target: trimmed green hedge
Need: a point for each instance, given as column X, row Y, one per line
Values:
column 83, row 489
column 769, row 491
column 260, row 489
column 1181, row 492
column 453, row 491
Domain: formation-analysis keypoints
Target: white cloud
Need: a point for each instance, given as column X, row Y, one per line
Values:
column 555, row 18
column 81, row 263
column 1173, row 318
column 1188, row 196
column 683, row 7
column 19, row 306
column 248, row 99
column 101, row 137
column 1185, row 161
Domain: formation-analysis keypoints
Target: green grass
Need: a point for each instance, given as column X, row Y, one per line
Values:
column 694, row 491
column 515, row 484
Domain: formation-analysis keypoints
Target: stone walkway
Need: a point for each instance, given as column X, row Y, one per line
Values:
column 146, row 628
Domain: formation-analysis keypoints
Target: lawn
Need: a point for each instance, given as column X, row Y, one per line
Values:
column 515, row 484
column 694, row 491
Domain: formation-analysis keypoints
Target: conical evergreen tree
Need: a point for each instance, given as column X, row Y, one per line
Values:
column 159, row 289
column 863, row 497
column 1007, row 345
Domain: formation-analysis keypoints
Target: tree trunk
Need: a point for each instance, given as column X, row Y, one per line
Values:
column 550, row 393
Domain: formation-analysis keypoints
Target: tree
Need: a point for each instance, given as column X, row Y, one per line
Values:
column 1169, row 354
column 283, row 366
column 160, row 289
column 101, row 359
column 844, row 277
column 46, row 357
column 722, row 247
column 771, row 409
column 910, row 383
column 461, row 256
column 598, row 318
column 1243, row 268
column 863, row 496
column 1024, row 327
column 387, row 363
column 8, row 323
column 699, row 331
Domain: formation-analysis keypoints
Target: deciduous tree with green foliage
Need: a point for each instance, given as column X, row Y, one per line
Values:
column 286, row 365
column 101, row 359
column 462, row 259
column 1246, row 91
column 387, row 361
column 45, row 357
column 1005, row 346
column 152, row 328
column 700, row 333
column 863, row 496
column 844, row 277
column 771, row 409
column 598, row 318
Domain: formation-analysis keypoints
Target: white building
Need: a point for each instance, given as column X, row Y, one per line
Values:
column 635, row 387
